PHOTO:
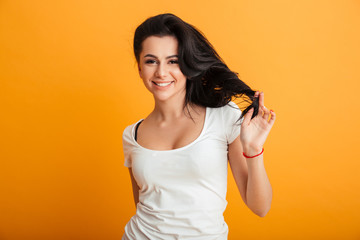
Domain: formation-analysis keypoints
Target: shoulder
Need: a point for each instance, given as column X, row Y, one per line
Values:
column 127, row 135
column 231, row 114
column 228, row 112
column 231, row 107
column 232, row 110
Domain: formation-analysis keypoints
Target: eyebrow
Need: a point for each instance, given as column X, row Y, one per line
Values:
column 150, row 55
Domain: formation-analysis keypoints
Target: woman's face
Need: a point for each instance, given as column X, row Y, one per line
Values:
column 159, row 68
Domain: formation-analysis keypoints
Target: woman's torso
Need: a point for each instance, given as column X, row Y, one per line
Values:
column 182, row 191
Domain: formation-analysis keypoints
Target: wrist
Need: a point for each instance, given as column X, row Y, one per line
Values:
column 250, row 152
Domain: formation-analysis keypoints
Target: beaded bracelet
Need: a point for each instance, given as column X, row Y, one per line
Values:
column 253, row 156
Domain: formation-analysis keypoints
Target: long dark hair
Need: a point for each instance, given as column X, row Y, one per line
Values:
column 210, row 83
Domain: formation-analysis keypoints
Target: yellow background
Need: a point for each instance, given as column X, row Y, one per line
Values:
column 69, row 86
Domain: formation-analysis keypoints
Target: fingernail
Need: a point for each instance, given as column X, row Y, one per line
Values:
column 271, row 110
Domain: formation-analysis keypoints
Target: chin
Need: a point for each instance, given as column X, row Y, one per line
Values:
column 162, row 98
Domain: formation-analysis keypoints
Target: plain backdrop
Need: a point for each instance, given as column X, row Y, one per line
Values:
column 69, row 86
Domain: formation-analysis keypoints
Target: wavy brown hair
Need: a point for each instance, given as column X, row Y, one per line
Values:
column 210, row 83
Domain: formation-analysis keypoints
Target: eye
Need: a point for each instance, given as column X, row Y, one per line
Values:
column 150, row 61
column 173, row 61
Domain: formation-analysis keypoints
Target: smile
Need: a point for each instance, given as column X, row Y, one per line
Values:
column 162, row 84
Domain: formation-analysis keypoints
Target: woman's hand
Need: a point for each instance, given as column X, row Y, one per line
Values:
column 255, row 131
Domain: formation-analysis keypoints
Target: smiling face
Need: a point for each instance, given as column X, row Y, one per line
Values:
column 159, row 68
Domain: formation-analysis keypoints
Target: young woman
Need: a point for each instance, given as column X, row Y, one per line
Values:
column 178, row 155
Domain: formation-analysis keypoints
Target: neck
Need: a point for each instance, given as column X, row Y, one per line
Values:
column 168, row 110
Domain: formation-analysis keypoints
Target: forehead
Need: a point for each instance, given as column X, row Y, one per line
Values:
column 160, row 46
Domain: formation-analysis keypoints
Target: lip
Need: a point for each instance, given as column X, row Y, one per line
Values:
column 162, row 87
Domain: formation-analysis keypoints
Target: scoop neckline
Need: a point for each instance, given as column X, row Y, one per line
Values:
column 176, row 149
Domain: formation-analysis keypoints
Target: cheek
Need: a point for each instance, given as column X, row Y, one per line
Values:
column 146, row 73
column 177, row 74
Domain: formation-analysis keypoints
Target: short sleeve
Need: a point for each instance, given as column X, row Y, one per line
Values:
column 231, row 114
column 127, row 146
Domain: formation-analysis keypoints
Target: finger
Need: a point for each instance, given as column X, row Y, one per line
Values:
column 256, row 95
column 247, row 117
column 266, row 113
column 261, row 111
column 272, row 118
column 261, row 99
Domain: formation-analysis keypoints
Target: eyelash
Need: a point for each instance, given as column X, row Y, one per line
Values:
column 153, row 61
column 149, row 61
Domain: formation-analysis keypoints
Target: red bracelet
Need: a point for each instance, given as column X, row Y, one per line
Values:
column 253, row 156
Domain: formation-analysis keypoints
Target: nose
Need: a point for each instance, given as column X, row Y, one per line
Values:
column 161, row 71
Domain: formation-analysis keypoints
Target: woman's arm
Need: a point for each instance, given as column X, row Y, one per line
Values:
column 251, row 179
column 135, row 187
column 249, row 173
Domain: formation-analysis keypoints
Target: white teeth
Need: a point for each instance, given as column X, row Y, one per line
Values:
column 163, row 84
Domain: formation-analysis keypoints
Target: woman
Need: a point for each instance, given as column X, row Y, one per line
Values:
column 177, row 156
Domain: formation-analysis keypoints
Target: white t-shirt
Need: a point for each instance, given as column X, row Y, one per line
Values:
column 183, row 191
